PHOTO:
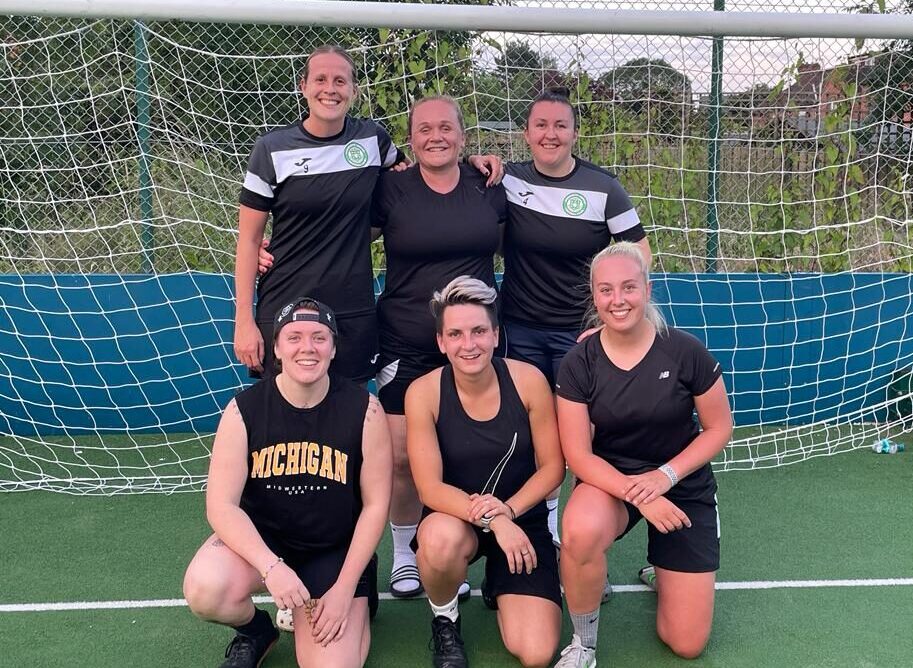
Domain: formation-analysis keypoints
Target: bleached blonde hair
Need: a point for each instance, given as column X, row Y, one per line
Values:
column 632, row 251
column 464, row 290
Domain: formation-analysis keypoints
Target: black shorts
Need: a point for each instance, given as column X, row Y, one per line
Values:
column 356, row 349
column 543, row 348
column 694, row 549
column 396, row 372
column 319, row 569
column 543, row 582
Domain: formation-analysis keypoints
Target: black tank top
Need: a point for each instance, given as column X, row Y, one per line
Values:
column 304, row 464
column 471, row 451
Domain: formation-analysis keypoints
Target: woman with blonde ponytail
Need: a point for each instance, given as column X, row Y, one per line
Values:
column 639, row 383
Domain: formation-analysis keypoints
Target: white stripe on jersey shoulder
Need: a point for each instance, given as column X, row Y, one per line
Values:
column 555, row 201
column 623, row 221
column 356, row 154
column 257, row 185
column 390, row 158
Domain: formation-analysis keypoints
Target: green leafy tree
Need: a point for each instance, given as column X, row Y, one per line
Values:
column 653, row 90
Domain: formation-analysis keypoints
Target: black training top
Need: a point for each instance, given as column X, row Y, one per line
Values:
column 554, row 227
column 644, row 416
column 473, row 452
column 430, row 239
column 304, row 464
column 319, row 191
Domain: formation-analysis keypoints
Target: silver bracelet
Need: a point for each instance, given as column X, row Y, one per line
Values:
column 485, row 521
column 670, row 473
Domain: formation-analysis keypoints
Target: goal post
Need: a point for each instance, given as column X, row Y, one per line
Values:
column 126, row 127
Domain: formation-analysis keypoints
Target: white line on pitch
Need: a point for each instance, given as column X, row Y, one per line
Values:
column 384, row 596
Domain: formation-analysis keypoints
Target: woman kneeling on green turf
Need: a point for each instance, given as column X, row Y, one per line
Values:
column 298, row 493
column 483, row 447
column 639, row 382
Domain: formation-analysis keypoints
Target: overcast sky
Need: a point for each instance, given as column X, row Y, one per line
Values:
column 746, row 62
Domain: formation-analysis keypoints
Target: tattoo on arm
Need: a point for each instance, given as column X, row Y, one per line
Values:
column 217, row 542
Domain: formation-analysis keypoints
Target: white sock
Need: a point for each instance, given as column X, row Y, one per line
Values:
column 552, row 505
column 449, row 610
column 586, row 626
column 402, row 552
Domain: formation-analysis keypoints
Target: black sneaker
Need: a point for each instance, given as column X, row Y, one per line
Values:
column 249, row 651
column 490, row 601
column 447, row 644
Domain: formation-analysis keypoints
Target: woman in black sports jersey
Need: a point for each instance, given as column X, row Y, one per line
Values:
column 439, row 221
column 561, row 211
column 316, row 177
column 639, row 382
column 484, row 451
column 297, row 496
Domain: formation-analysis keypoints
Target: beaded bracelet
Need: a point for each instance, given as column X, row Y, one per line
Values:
column 265, row 573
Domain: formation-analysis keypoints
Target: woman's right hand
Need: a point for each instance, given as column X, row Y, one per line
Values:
column 286, row 588
column 264, row 259
column 513, row 541
column 585, row 334
column 664, row 515
column 249, row 345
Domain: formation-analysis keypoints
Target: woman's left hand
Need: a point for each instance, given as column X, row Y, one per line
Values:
column 646, row 487
column 490, row 165
column 516, row 546
column 330, row 615
column 486, row 505
column 402, row 165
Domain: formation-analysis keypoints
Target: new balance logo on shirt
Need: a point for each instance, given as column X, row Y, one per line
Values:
column 664, row 375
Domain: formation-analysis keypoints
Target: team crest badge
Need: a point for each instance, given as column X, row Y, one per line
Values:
column 574, row 204
column 355, row 154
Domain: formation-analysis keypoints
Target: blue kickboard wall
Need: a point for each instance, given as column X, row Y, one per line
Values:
column 90, row 353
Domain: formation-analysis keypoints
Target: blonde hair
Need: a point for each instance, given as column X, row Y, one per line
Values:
column 436, row 98
column 464, row 290
column 629, row 250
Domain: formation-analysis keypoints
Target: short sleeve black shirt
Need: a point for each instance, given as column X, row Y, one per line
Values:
column 554, row 227
column 431, row 238
column 319, row 192
column 644, row 416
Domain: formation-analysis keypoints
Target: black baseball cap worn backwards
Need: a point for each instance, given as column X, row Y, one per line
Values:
column 324, row 315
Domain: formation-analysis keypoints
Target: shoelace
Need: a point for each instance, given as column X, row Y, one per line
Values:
column 445, row 638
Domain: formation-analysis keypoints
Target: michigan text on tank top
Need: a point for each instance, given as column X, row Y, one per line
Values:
column 431, row 238
column 554, row 227
column 304, row 464
column 319, row 191
column 471, row 450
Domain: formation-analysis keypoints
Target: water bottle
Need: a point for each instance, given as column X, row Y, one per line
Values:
column 887, row 446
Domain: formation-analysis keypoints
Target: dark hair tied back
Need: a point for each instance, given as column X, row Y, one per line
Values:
column 559, row 94
column 559, row 91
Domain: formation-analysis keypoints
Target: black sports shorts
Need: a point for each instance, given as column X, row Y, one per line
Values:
column 319, row 569
column 694, row 549
column 543, row 582
column 396, row 372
